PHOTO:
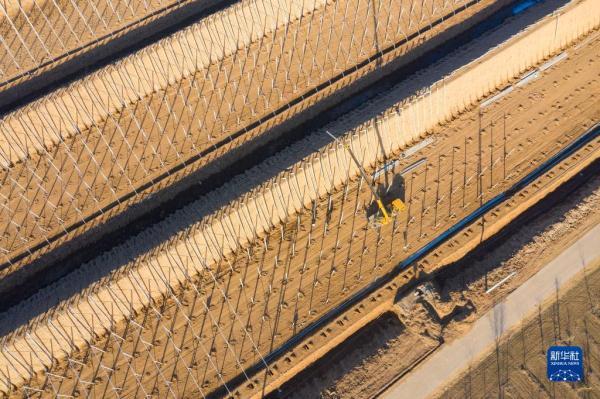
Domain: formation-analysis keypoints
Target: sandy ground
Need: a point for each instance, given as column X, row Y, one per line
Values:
column 524, row 253
column 505, row 316
column 38, row 33
column 516, row 366
column 98, row 166
column 309, row 265
column 367, row 360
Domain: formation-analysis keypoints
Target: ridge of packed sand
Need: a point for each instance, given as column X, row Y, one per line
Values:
column 69, row 110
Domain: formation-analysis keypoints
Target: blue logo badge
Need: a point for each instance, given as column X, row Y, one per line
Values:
column 565, row 363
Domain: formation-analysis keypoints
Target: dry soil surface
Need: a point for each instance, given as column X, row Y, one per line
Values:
column 362, row 373
column 42, row 33
column 192, row 122
column 280, row 285
column 516, row 366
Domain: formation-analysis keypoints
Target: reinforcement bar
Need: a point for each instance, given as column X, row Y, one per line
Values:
column 563, row 154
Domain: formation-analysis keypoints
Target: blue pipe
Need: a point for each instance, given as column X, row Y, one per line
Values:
column 519, row 8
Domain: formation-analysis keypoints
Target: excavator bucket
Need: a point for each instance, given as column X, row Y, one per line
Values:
column 398, row 206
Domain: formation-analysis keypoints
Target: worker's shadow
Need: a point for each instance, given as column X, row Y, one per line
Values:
column 387, row 191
